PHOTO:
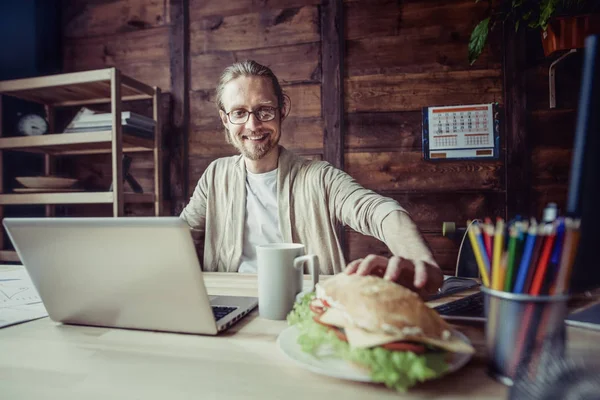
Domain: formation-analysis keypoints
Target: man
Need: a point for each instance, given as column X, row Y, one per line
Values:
column 269, row 195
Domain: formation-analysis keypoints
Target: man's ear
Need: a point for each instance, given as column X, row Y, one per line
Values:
column 286, row 107
column 223, row 118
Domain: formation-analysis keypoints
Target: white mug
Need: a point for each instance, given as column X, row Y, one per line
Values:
column 280, row 267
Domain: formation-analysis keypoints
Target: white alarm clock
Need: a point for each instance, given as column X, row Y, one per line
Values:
column 32, row 125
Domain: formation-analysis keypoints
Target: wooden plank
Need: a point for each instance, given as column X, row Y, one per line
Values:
column 67, row 143
column 410, row 92
column 177, row 140
column 390, row 17
column 432, row 37
column 391, row 130
column 269, row 28
column 13, row 87
column 517, row 159
column 406, row 170
column 445, row 251
column 552, row 128
column 423, row 50
column 143, row 55
column 96, row 18
column 550, row 167
column 304, row 134
column 103, row 100
column 332, row 100
column 116, row 145
column 430, row 210
column 151, row 45
column 49, row 161
column 157, row 154
column 291, row 64
column 138, row 86
column 57, row 198
column 202, row 8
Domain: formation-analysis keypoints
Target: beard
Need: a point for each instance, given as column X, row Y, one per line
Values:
column 249, row 149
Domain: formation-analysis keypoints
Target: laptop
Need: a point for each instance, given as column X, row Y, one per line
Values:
column 129, row 272
column 468, row 308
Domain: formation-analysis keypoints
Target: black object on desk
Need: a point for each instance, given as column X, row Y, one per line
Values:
column 468, row 308
column 587, row 318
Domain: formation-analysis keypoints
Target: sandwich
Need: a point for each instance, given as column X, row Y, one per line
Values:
column 377, row 325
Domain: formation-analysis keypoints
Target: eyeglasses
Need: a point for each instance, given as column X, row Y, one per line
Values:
column 240, row 116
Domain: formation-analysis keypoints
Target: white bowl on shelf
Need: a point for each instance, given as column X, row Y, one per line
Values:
column 46, row 182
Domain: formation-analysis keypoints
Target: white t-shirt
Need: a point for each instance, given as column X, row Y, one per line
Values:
column 262, row 219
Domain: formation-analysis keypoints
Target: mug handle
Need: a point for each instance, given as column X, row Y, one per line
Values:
column 313, row 266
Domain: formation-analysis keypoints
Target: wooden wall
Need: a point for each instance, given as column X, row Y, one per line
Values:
column 551, row 130
column 399, row 56
column 134, row 36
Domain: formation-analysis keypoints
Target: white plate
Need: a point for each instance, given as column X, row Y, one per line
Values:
column 338, row 368
column 46, row 182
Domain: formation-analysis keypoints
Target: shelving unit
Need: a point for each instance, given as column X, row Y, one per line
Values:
column 78, row 89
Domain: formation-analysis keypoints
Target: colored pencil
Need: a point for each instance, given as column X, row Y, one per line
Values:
column 479, row 252
column 486, row 260
column 568, row 256
column 543, row 231
column 526, row 259
column 512, row 248
column 488, row 236
column 553, row 264
column 497, row 270
column 542, row 265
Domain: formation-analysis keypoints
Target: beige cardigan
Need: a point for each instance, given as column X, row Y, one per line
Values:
column 312, row 197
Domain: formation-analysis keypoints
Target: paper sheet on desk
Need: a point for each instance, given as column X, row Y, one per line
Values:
column 19, row 301
column 18, row 314
column 17, row 289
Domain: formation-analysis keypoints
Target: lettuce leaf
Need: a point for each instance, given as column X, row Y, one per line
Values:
column 395, row 369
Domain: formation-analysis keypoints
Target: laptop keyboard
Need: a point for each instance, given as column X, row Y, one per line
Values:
column 470, row 306
column 222, row 311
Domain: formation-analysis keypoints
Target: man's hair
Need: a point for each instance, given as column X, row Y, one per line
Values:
column 247, row 68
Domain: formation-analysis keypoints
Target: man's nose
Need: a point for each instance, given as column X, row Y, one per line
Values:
column 253, row 122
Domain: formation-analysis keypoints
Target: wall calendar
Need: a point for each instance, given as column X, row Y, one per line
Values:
column 461, row 132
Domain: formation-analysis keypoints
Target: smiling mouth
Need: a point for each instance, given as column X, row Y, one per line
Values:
column 256, row 138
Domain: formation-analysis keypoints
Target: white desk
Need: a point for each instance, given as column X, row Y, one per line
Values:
column 45, row 360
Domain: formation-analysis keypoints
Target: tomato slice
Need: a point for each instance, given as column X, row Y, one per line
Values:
column 338, row 332
column 316, row 306
column 405, row 346
column 394, row 346
column 316, row 309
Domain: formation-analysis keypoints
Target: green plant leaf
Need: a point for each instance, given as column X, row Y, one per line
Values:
column 478, row 40
column 547, row 10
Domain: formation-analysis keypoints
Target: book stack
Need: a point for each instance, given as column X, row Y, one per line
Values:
column 132, row 123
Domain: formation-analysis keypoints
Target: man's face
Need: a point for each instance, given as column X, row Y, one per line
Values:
column 254, row 139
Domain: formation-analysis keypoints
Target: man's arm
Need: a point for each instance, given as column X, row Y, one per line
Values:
column 370, row 213
column 412, row 265
column 194, row 212
column 405, row 241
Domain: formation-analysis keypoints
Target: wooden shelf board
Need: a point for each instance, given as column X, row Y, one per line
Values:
column 87, row 87
column 74, row 143
column 72, row 198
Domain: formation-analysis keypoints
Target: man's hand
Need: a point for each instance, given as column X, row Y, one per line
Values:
column 422, row 276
